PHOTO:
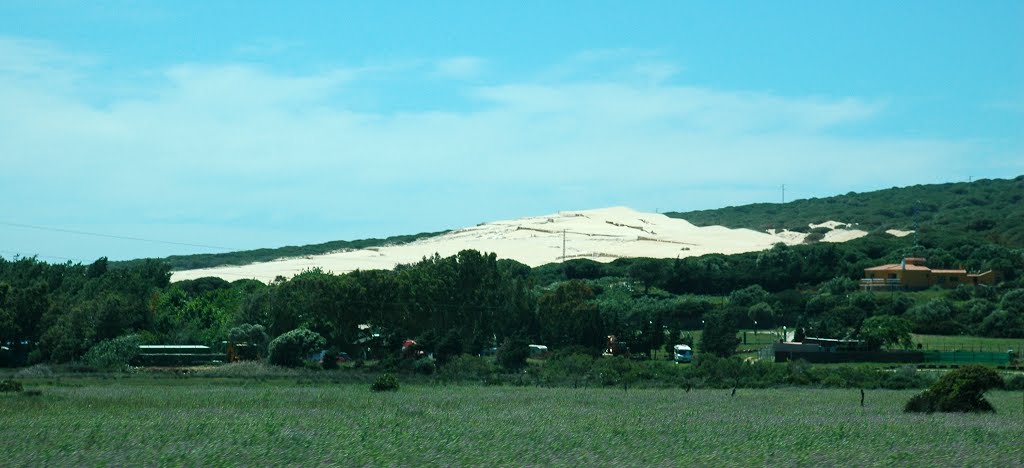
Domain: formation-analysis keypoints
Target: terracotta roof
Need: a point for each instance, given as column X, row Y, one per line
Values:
column 898, row 267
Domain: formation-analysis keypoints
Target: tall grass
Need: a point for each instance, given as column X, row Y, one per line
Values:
column 196, row 422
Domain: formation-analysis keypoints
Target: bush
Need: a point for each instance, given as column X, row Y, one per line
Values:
column 449, row 347
column 115, row 354
column 615, row 370
column 959, row 391
column 385, row 383
column 37, row 371
column 330, row 359
column 512, row 353
column 424, row 365
column 255, row 335
column 568, row 367
column 719, row 337
column 291, row 348
column 467, row 368
column 1014, row 383
column 10, row 386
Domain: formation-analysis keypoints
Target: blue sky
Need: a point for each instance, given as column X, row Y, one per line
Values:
column 259, row 124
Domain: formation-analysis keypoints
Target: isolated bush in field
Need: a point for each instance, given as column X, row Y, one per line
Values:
column 291, row 348
column 959, row 391
column 385, row 383
column 115, row 354
column 513, row 352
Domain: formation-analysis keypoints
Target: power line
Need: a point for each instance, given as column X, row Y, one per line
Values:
column 22, row 255
column 111, row 236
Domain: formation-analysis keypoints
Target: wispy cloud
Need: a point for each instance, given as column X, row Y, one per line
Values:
column 231, row 144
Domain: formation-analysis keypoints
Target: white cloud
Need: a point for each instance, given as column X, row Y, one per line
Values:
column 244, row 146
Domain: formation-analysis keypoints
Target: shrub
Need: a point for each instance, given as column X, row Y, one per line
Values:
column 467, row 368
column 10, row 386
column 424, row 365
column 959, row 391
column 719, row 337
column 37, row 371
column 512, row 353
column 615, row 370
column 330, row 359
column 291, row 348
column 449, row 347
column 255, row 335
column 1014, row 383
column 573, row 367
column 115, row 354
column 385, row 383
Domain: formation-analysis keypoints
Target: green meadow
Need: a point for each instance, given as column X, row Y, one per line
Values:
column 213, row 422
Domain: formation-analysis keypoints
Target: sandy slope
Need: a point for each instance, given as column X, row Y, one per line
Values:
column 898, row 233
column 602, row 235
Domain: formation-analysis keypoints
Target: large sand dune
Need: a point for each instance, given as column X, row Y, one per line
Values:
column 602, row 235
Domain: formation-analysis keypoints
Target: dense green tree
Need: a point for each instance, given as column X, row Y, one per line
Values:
column 886, row 330
column 513, row 352
column 719, row 336
column 292, row 347
column 568, row 317
column 648, row 272
column 761, row 313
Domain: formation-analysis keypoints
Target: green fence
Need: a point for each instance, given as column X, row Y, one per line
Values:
column 967, row 357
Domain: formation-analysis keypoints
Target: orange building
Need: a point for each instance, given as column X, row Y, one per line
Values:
column 912, row 273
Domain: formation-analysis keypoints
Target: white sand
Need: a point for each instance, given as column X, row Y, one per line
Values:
column 828, row 224
column 898, row 233
column 602, row 235
column 843, row 235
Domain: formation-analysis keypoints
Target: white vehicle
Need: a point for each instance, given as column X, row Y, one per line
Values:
column 682, row 353
column 536, row 349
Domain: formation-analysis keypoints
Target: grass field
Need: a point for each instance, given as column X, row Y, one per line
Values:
column 220, row 422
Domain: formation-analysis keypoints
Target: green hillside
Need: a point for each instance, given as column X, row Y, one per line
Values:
column 245, row 257
column 989, row 209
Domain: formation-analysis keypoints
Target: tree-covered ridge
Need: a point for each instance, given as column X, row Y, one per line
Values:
column 472, row 301
column 988, row 209
column 245, row 257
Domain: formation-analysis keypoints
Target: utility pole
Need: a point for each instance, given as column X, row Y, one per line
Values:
column 917, row 226
column 563, row 245
column 783, row 193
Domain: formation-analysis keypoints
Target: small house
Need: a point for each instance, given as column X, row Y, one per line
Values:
column 913, row 274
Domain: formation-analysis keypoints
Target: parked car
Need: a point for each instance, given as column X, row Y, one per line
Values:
column 682, row 353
